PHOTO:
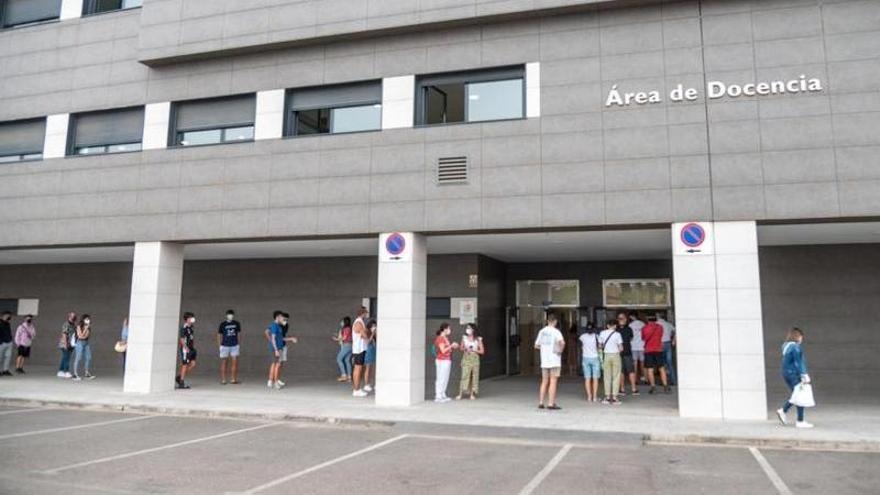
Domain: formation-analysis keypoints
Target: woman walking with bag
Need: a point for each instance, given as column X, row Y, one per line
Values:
column 472, row 349
column 794, row 372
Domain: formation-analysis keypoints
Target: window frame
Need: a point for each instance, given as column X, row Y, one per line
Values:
column 466, row 77
column 175, row 134
column 32, row 155
column 72, row 148
column 291, row 129
column 89, row 5
column 4, row 26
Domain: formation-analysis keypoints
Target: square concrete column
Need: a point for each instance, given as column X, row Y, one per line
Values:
column 400, row 365
column 154, row 315
column 718, row 320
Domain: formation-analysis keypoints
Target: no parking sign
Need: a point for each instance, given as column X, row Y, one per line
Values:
column 692, row 238
column 395, row 246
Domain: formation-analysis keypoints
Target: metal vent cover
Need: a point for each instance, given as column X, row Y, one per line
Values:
column 452, row 170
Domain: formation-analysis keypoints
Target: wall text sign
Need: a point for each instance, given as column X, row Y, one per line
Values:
column 714, row 91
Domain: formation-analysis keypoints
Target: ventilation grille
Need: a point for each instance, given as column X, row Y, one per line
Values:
column 452, row 170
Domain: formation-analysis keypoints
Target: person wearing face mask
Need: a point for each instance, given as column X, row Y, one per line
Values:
column 66, row 345
column 443, row 361
column 188, row 354
column 24, row 337
column 83, row 348
column 6, row 342
column 227, row 339
column 472, row 348
column 276, row 336
column 343, row 357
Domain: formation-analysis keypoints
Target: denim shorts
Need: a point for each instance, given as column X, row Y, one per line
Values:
column 592, row 368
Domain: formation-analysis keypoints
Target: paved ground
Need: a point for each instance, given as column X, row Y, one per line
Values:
column 76, row 451
column 852, row 422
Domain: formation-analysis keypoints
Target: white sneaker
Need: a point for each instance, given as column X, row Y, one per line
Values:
column 68, row 374
column 368, row 388
column 803, row 424
column 781, row 415
column 61, row 375
column 278, row 386
column 281, row 383
column 358, row 393
column 77, row 378
column 270, row 384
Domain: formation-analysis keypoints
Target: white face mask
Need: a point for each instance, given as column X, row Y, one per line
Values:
column 87, row 322
column 230, row 317
column 192, row 321
column 469, row 331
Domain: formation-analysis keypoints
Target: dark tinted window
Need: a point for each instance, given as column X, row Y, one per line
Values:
column 477, row 96
column 335, row 109
column 108, row 132
column 98, row 6
column 213, row 121
column 19, row 12
column 22, row 140
column 438, row 308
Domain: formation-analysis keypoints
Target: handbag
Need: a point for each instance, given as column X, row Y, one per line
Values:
column 120, row 346
column 802, row 395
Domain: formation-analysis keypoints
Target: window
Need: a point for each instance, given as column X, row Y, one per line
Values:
column 637, row 293
column 22, row 140
column 335, row 109
column 547, row 293
column 114, row 131
column 478, row 96
column 100, row 6
column 214, row 121
column 438, row 308
column 22, row 12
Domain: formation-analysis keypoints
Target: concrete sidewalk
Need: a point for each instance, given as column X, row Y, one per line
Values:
column 508, row 402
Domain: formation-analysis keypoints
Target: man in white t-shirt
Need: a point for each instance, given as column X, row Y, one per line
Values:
column 638, row 347
column 551, row 343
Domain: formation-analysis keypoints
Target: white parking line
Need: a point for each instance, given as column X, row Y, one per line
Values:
column 156, row 449
column 76, row 427
column 780, row 485
column 528, row 489
column 323, row 465
column 16, row 411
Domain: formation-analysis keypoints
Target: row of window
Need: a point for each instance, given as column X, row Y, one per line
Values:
column 14, row 13
column 476, row 96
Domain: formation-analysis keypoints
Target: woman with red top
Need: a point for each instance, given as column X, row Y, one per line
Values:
column 343, row 357
column 443, row 361
column 652, row 334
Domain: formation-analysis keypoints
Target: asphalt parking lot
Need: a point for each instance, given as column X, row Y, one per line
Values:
column 52, row 450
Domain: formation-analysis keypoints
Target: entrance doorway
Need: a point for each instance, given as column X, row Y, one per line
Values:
column 535, row 300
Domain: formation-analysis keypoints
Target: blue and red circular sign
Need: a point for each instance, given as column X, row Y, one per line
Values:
column 693, row 235
column 395, row 244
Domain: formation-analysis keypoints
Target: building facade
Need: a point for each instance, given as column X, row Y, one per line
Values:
column 191, row 155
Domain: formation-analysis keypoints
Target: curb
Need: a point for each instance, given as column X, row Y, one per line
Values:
column 646, row 438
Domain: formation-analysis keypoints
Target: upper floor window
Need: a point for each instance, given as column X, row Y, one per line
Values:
column 476, row 96
column 99, row 6
column 22, row 12
column 335, row 109
column 214, row 121
column 113, row 131
column 22, row 140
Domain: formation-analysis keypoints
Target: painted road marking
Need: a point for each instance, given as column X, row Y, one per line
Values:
column 77, row 427
column 528, row 489
column 780, row 485
column 323, row 465
column 33, row 409
column 156, row 449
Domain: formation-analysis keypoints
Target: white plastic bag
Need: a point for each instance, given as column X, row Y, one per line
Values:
column 802, row 395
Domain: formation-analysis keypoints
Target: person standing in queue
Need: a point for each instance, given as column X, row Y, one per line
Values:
column 24, row 339
column 668, row 348
column 230, row 348
column 83, row 348
column 653, row 336
column 277, row 348
column 65, row 344
column 551, row 343
column 636, row 324
column 590, row 362
column 370, row 356
column 626, row 358
column 611, row 345
column 442, row 361
column 285, row 327
column 188, row 354
column 343, row 357
column 359, row 336
column 794, row 372
column 6, row 342
column 472, row 350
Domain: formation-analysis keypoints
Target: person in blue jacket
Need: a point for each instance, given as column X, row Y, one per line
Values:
column 794, row 371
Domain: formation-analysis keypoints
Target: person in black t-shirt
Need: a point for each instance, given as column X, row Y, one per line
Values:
column 626, row 359
column 188, row 352
column 227, row 339
column 5, row 342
